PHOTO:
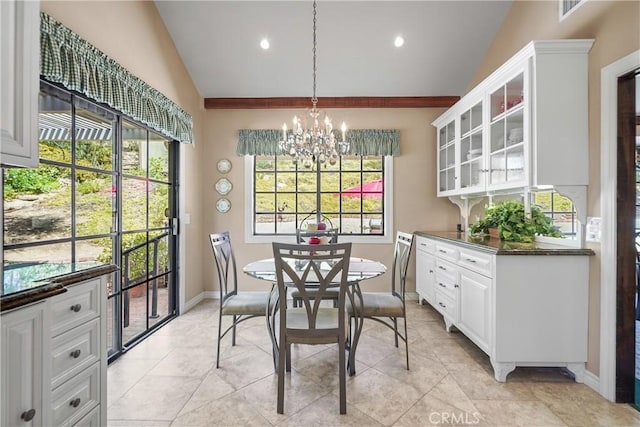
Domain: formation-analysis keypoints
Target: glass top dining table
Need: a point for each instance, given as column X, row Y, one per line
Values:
column 359, row 269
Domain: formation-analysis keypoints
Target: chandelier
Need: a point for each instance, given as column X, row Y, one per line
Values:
column 312, row 139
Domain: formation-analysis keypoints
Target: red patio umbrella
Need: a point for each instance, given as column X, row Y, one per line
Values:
column 368, row 189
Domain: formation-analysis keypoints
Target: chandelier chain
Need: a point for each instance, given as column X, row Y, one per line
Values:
column 314, row 100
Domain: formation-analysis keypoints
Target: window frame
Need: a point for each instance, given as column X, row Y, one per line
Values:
column 385, row 238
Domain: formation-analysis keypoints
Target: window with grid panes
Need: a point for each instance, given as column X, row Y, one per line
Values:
column 348, row 196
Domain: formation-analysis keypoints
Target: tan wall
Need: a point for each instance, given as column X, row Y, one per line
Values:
column 133, row 34
column 616, row 29
column 416, row 206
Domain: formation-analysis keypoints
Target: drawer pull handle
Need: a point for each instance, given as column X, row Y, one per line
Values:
column 440, row 283
column 75, row 353
column 442, row 251
column 75, row 402
column 442, row 268
column 76, row 308
column 442, row 305
column 28, row 415
column 471, row 260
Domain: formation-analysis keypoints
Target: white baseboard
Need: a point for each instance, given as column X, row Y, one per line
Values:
column 592, row 381
column 188, row 305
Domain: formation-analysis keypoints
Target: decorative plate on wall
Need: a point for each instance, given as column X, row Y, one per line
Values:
column 224, row 166
column 223, row 186
column 223, row 205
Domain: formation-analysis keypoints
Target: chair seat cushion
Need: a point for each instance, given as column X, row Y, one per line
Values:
column 327, row 318
column 246, row 303
column 379, row 305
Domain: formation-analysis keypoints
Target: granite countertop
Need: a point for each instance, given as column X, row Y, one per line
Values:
column 25, row 284
column 500, row 247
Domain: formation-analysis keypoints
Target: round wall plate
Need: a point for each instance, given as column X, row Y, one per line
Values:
column 223, row 205
column 224, row 166
column 223, row 186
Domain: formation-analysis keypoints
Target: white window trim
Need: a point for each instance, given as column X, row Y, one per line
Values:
column 249, row 237
column 563, row 16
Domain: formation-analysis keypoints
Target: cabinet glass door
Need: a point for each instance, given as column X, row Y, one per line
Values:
column 506, row 156
column 471, row 154
column 447, row 157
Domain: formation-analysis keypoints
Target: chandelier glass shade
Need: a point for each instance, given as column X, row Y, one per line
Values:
column 312, row 138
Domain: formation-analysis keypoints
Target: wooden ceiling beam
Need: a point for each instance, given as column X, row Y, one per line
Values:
column 332, row 102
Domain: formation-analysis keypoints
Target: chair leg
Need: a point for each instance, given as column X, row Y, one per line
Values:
column 288, row 350
column 233, row 333
column 395, row 330
column 406, row 341
column 218, row 350
column 342, row 368
column 281, row 368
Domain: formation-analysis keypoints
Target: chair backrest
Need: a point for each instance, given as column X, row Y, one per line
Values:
column 302, row 236
column 312, row 266
column 401, row 255
column 225, row 264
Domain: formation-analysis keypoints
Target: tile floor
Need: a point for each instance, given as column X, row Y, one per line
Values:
column 171, row 380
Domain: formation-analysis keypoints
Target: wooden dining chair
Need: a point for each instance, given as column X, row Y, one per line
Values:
column 240, row 306
column 302, row 237
column 302, row 267
column 387, row 308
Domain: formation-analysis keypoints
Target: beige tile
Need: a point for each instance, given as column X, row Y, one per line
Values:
column 380, row 396
column 181, row 362
column 479, row 384
column 424, row 373
column 231, row 410
column 430, row 411
column 517, row 413
column 141, row 423
column 246, row 367
column 299, row 392
column 326, row 412
column 124, row 373
column 449, row 392
column 157, row 398
column 212, row 388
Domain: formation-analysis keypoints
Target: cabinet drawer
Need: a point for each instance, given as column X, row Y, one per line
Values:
column 426, row 245
column 74, row 351
column 476, row 261
column 92, row 419
column 75, row 398
column 447, row 270
column 79, row 304
column 447, row 286
column 447, row 252
column 447, row 306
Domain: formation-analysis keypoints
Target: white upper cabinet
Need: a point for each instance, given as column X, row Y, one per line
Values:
column 19, row 82
column 522, row 126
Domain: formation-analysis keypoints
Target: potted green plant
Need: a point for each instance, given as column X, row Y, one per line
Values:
column 513, row 225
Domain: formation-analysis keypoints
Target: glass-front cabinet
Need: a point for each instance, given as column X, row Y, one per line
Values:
column 447, row 157
column 472, row 168
column 506, row 160
column 518, row 128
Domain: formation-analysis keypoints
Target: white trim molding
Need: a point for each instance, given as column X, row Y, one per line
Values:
column 608, row 191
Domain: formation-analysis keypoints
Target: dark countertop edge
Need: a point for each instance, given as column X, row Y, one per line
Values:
column 53, row 286
column 492, row 246
column 80, row 276
column 30, row 296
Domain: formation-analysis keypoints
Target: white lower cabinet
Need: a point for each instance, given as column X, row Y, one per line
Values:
column 24, row 345
column 54, row 359
column 522, row 310
column 425, row 270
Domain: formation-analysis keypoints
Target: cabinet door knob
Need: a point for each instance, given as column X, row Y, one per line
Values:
column 456, row 286
column 76, row 308
column 75, row 402
column 28, row 415
column 75, row 353
column 430, row 271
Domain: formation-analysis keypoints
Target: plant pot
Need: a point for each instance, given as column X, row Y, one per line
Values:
column 494, row 233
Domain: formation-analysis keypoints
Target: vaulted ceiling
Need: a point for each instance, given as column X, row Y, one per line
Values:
column 219, row 42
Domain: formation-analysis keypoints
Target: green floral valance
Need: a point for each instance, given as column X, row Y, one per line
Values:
column 68, row 59
column 363, row 142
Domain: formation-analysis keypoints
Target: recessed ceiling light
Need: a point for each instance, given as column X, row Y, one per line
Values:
column 399, row 41
column 264, row 43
